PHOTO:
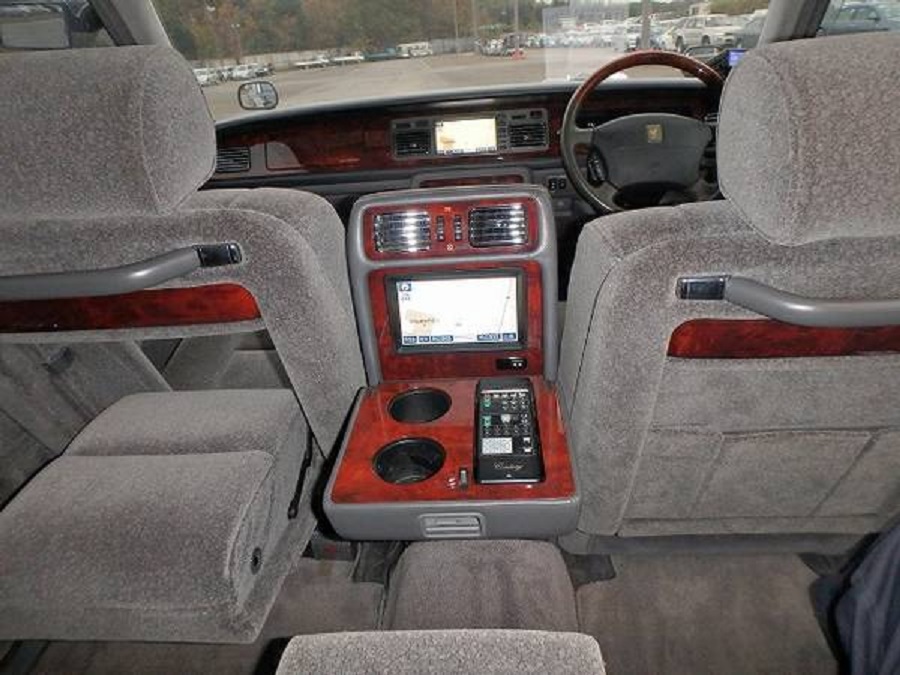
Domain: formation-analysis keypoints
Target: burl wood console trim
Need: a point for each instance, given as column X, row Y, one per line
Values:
column 373, row 428
column 768, row 339
column 213, row 303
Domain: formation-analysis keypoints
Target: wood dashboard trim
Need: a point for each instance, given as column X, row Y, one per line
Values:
column 357, row 483
column 359, row 139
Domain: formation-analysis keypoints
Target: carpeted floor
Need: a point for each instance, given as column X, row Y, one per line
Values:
column 318, row 597
column 481, row 584
column 706, row 614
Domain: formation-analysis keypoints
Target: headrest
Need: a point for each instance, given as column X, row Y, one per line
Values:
column 809, row 138
column 101, row 132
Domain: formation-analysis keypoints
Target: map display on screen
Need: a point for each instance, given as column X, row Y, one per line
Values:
column 465, row 136
column 458, row 311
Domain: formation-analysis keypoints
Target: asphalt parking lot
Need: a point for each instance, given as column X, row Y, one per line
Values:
column 409, row 76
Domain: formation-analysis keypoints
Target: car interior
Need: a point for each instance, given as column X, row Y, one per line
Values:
column 345, row 388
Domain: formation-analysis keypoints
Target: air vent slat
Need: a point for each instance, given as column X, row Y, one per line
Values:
column 415, row 143
column 529, row 135
column 498, row 226
column 403, row 231
column 233, row 160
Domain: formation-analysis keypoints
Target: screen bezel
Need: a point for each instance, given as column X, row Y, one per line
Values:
column 390, row 291
column 438, row 121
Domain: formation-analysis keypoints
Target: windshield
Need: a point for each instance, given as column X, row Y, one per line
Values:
column 321, row 51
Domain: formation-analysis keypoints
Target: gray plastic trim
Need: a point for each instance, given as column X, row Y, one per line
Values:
column 361, row 266
column 390, row 521
column 110, row 281
column 787, row 307
column 805, row 311
column 117, row 280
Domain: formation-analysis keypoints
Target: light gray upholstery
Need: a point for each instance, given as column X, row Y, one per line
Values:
column 49, row 392
column 450, row 652
column 101, row 131
column 666, row 446
column 481, row 584
column 806, row 143
column 292, row 242
column 146, row 527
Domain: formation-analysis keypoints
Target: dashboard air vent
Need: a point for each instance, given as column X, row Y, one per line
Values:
column 504, row 225
column 233, row 160
column 402, row 232
column 413, row 143
column 532, row 134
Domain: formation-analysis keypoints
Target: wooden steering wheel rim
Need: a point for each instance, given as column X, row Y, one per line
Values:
column 706, row 74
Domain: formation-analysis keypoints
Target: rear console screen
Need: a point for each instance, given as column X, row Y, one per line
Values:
column 470, row 312
column 459, row 137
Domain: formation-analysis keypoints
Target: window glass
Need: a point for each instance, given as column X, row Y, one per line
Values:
column 320, row 51
column 844, row 18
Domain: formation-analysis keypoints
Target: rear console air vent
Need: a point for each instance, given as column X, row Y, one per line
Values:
column 531, row 135
column 412, row 143
column 233, row 160
column 504, row 225
column 452, row 525
column 402, row 232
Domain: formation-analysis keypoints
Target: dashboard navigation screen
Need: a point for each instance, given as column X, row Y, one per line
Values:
column 458, row 137
column 471, row 312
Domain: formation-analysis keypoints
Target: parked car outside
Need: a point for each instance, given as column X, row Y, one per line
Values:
column 206, row 76
column 748, row 36
column 318, row 61
column 717, row 30
column 859, row 17
column 389, row 54
column 416, row 49
column 243, row 71
column 348, row 59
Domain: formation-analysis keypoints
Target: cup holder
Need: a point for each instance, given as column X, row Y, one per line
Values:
column 410, row 460
column 419, row 405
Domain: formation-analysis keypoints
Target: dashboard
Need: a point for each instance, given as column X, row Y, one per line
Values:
column 480, row 137
column 416, row 139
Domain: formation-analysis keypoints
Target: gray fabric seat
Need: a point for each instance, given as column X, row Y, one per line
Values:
column 462, row 652
column 146, row 527
column 786, row 446
column 166, row 519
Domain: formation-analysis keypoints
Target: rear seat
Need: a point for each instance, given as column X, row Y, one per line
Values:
column 165, row 519
column 415, row 652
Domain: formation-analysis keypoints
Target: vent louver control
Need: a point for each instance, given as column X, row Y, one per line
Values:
column 402, row 232
column 413, row 143
column 233, row 160
column 504, row 225
column 528, row 135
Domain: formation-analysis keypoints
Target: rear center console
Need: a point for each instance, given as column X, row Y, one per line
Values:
column 459, row 433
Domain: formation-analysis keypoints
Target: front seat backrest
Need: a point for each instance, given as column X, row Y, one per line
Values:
column 714, row 440
column 105, row 150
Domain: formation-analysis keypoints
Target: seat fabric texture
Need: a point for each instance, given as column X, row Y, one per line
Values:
column 170, row 498
column 166, row 519
column 461, row 652
column 783, row 446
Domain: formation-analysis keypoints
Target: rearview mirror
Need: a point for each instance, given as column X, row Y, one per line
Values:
column 257, row 96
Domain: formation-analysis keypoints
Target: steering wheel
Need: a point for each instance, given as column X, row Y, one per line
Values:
column 653, row 153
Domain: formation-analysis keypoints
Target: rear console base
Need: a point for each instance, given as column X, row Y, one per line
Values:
column 406, row 469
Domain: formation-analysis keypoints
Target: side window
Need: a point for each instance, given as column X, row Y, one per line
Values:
column 865, row 14
column 845, row 15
